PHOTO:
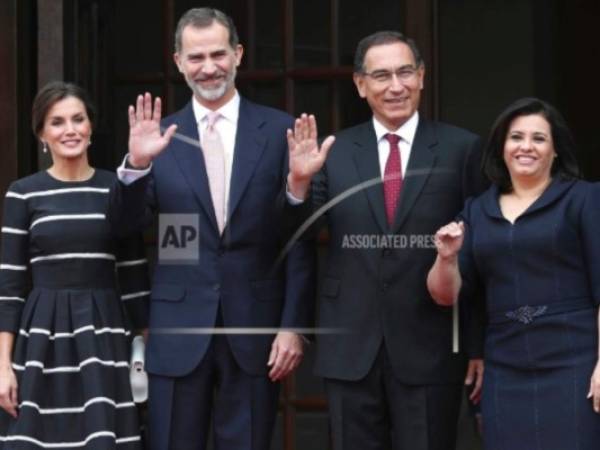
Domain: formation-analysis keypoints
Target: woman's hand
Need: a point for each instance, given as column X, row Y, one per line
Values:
column 8, row 391
column 145, row 138
column 594, row 392
column 474, row 379
column 443, row 280
column 449, row 239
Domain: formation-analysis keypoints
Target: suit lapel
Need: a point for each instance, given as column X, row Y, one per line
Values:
column 421, row 162
column 249, row 146
column 366, row 158
column 191, row 161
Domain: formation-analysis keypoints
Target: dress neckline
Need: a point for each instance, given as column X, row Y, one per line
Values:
column 555, row 190
column 74, row 182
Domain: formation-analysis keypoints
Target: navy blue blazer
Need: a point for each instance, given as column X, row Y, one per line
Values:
column 235, row 271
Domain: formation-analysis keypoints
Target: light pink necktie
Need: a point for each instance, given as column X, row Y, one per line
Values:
column 214, row 159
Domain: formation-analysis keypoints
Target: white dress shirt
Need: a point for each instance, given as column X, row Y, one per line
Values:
column 407, row 134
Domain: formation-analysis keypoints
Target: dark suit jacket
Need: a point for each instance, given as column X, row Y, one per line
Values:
column 235, row 271
column 379, row 295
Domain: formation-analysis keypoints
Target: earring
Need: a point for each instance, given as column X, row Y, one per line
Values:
column 44, row 146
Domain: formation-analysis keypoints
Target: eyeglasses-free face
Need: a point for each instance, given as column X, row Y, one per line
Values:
column 209, row 64
column 67, row 130
column 391, row 83
column 529, row 148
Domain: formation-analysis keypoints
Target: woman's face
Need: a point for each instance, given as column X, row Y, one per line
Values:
column 528, row 148
column 67, row 129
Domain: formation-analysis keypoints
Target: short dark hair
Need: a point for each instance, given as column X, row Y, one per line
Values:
column 203, row 18
column 383, row 38
column 564, row 165
column 53, row 92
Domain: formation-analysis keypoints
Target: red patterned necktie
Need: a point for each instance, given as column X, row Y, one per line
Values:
column 392, row 178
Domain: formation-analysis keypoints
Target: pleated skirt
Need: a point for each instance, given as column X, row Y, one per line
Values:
column 71, row 359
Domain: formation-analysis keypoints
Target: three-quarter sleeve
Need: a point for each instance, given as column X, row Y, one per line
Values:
column 134, row 284
column 590, row 237
column 14, row 261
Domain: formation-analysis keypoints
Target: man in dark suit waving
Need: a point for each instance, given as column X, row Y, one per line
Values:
column 223, row 323
column 391, row 377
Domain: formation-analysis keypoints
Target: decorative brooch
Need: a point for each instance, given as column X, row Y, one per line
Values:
column 526, row 314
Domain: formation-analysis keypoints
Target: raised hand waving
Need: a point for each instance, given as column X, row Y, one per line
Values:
column 146, row 140
column 306, row 158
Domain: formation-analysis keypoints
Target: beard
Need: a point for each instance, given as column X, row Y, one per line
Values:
column 217, row 92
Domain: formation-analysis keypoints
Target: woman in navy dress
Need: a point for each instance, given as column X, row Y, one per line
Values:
column 531, row 243
column 65, row 321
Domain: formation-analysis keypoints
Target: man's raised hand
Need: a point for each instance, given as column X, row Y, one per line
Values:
column 306, row 158
column 145, row 138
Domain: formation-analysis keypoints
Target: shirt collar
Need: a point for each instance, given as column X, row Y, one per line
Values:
column 407, row 131
column 230, row 110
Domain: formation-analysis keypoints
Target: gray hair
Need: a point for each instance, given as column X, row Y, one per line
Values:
column 203, row 18
column 383, row 38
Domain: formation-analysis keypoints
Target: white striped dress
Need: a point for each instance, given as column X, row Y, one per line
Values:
column 72, row 316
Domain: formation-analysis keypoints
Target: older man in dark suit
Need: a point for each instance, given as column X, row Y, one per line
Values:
column 224, row 318
column 391, row 377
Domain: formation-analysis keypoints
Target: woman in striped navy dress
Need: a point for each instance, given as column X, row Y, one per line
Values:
column 65, row 320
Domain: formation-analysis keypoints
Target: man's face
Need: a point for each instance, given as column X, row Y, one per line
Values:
column 208, row 63
column 391, row 83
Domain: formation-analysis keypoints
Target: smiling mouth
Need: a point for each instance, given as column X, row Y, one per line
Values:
column 213, row 79
column 396, row 101
column 525, row 159
column 71, row 142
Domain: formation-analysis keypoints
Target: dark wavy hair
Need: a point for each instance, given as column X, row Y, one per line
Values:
column 53, row 92
column 564, row 165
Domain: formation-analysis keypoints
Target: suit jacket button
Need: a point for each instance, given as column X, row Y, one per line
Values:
column 216, row 287
column 384, row 287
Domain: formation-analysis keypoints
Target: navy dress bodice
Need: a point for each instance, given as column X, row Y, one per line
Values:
column 541, row 280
